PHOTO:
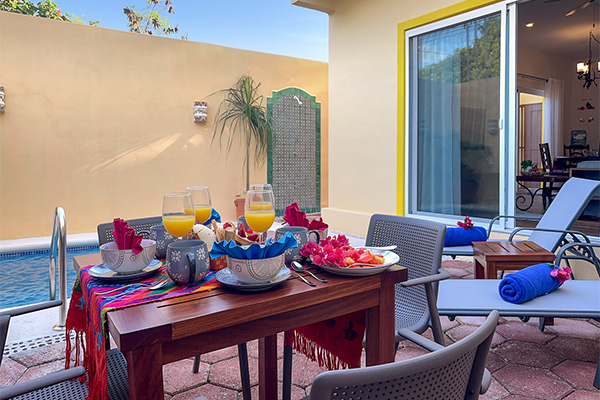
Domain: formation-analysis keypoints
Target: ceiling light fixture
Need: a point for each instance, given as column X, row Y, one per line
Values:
column 586, row 70
column 529, row 25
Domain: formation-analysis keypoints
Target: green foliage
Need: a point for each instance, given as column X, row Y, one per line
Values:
column 150, row 20
column 479, row 59
column 242, row 110
column 44, row 9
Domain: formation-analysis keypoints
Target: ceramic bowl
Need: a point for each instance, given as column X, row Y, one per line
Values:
column 256, row 271
column 126, row 261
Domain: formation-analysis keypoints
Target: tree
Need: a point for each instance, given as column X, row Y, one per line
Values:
column 243, row 110
column 44, row 9
column 150, row 20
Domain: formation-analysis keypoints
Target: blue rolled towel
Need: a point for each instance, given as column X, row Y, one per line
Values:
column 464, row 237
column 528, row 283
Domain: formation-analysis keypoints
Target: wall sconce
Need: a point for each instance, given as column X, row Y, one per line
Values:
column 2, row 103
column 200, row 111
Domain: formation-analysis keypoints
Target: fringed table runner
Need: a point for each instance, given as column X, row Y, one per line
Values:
column 87, row 315
column 334, row 344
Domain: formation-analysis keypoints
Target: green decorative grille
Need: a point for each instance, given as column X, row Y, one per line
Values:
column 294, row 161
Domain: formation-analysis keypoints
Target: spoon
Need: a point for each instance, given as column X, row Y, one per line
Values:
column 383, row 248
column 296, row 266
column 304, row 279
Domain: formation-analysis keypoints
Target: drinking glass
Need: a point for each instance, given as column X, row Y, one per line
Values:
column 202, row 204
column 178, row 213
column 261, row 186
column 259, row 210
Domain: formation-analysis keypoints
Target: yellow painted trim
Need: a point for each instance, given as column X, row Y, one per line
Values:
column 447, row 12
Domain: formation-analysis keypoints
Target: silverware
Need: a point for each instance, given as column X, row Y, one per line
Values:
column 304, row 279
column 296, row 266
column 392, row 247
column 150, row 286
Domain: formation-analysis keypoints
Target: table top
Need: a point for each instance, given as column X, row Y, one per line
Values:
column 543, row 178
column 512, row 250
column 221, row 312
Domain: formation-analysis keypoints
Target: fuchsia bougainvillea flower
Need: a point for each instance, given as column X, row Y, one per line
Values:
column 562, row 274
column 467, row 224
column 331, row 251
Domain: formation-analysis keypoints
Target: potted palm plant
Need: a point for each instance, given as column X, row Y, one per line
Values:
column 242, row 110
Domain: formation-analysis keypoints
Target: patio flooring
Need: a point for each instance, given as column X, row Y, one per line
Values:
column 525, row 363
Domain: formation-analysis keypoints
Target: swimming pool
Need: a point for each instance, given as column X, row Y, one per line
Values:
column 24, row 275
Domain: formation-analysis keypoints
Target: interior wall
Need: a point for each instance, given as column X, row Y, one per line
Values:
column 100, row 122
column 546, row 65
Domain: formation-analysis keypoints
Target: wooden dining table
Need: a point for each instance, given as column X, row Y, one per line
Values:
column 157, row 333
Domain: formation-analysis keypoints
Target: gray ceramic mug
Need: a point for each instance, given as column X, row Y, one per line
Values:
column 187, row 261
column 302, row 236
column 159, row 234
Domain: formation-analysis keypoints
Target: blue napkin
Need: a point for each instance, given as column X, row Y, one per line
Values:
column 528, row 283
column 253, row 251
column 464, row 237
column 213, row 215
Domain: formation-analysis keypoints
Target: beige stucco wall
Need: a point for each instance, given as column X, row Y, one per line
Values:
column 363, row 70
column 100, row 121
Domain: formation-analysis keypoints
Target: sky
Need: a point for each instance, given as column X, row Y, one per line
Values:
column 270, row 26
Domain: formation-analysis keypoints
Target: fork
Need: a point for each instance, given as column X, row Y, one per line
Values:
column 150, row 286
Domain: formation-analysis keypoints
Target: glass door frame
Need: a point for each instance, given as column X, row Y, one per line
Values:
column 507, row 122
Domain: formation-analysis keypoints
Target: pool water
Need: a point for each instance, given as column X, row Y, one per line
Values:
column 24, row 277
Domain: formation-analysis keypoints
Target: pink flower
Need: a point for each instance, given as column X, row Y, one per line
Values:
column 562, row 275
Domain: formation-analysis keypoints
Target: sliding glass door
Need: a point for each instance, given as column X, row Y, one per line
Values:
column 456, row 116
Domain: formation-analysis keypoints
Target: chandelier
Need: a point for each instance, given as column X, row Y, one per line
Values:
column 586, row 71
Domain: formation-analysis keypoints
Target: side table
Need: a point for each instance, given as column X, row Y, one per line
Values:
column 493, row 256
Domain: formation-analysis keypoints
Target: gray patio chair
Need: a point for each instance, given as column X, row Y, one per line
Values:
column 554, row 228
column 574, row 299
column 61, row 384
column 141, row 226
column 419, row 245
column 453, row 372
column 105, row 231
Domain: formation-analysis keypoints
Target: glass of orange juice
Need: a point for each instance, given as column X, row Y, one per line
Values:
column 178, row 213
column 202, row 204
column 259, row 210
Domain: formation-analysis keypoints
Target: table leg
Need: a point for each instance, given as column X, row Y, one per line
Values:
column 381, row 328
column 545, row 194
column 479, row 270
column 490, row 271
column 144, row 370
column 267, row 368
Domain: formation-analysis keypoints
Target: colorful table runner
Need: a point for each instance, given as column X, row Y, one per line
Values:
column 87, row 315
column 335, row 343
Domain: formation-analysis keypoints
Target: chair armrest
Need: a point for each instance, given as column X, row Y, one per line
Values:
column 31, row 308
column 45, row 381
column 499, row 217
column 565, row 231
column 443, row 274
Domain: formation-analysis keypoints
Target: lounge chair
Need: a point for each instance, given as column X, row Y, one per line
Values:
column 61, row 384
column 554, row 228
column 453, row 372
column 574, row 299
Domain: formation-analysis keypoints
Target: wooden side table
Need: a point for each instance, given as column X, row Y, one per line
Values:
column 491, row 257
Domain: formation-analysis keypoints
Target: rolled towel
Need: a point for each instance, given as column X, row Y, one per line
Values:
column 464, row 237
column 528, row 283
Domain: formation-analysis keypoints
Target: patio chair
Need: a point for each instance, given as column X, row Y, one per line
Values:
column 143, row 225
column 61, row 384
column 453, row 372
column 576, row 298
column 419, row 244
column 554, row 228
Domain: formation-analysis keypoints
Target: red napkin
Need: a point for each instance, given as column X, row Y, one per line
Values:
column 125, row 237
column 294, row 217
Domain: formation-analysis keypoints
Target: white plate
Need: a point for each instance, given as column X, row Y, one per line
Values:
column 226, row 277
column 389, row 258
column 102, row 272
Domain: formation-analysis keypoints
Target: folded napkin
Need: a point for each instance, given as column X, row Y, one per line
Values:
column 214, row 215
column 294, row 217
column 464, row 237
column 531, row 282
column 125, row 237
column 253, row 251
